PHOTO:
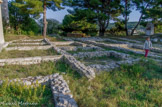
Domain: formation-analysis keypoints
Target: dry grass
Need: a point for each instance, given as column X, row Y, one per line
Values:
column 10, row 37
column 16, row 53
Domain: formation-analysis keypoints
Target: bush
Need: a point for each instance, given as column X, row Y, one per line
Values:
column 31, row 33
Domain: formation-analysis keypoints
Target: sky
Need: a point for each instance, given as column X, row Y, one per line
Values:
column 59, row 15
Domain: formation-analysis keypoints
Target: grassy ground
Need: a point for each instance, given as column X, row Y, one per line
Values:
column 15, row 95
column 43, row 69
column 81, row 50
column 42, row 95
column 10, row 37
column 131, row 86
column 98, row 60
column 21, row 54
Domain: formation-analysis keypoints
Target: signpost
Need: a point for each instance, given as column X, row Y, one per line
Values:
column 1, row 26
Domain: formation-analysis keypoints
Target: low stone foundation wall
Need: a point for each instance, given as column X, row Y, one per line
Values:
column 3, row 46
column 112, row 65
column 79, row 67
column 31, row 40
column 100, row 54
column 141, row 47
column 29, row 60
column 98, row 39
column 61, row 92
column 25, row 48
column 130, row 40
column 28, row 43
column 74, row 48
column 76, row 65
column 62, row 43
column 121, row 49
column 60, row 89
column 30, row 81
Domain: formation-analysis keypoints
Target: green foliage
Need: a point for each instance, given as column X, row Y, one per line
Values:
column 118, row 28
column 138, row 85
column 16, row 95
column 103, row 11
column 52, row 26
column 78, row 21
column 20, row 22
column 36, row 7
column 158, row 28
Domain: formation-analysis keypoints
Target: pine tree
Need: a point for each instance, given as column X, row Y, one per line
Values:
column 105, row 10
column 142, row 6
column 36, row 7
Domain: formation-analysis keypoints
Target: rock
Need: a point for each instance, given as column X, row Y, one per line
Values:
column 61, row 92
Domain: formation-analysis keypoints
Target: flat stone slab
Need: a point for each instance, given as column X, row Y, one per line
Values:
column 31, row 40
column 62, row 43
column 36, row 43
column 21, row 48
column 29, row 60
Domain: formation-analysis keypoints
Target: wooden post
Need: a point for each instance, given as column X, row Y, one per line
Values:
column 1, row 26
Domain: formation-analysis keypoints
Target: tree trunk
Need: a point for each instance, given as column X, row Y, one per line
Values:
column 132, row 32
column 44, row 19
column 126, row 18
column 102, row 32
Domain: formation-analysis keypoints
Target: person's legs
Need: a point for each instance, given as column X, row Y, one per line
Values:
column 146, row 52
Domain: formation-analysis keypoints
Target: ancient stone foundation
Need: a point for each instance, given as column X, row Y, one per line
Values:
column 29, row 60
column 61, row 92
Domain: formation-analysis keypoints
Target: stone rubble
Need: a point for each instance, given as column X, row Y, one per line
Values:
column 79, row 67
column 61, row 92
column 100, row 54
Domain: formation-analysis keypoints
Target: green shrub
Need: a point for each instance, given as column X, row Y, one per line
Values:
column 17, row 93
column 31, row 33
